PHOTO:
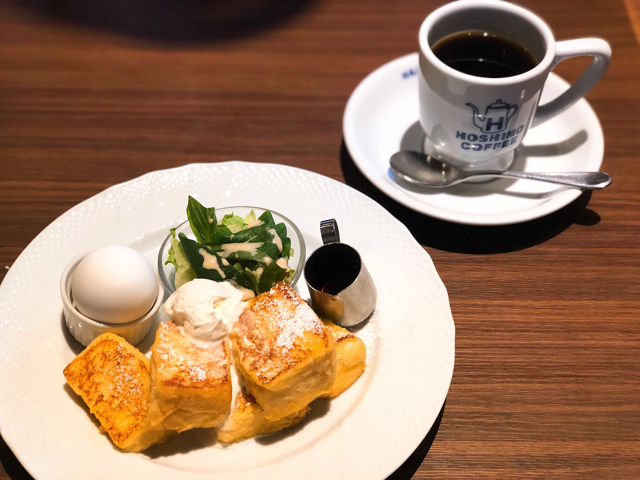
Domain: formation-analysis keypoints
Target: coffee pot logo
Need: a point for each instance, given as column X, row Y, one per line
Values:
column 495, row 118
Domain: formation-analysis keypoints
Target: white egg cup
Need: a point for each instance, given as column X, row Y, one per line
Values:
column 85, row 330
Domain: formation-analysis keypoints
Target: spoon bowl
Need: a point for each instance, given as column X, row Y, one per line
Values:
column 426, row 171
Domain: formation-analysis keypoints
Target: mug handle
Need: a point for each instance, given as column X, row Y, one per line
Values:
column 594, row 47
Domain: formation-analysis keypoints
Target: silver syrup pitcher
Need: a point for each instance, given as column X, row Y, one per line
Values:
column 340, row 285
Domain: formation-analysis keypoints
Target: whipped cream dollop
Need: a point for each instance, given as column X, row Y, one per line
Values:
column 205, row 309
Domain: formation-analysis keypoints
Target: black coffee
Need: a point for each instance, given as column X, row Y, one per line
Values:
column 484, row 54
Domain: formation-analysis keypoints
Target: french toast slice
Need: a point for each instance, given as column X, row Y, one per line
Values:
column 351, row 355
column 284, row 352
column 113, row 378
column 247, row 420
column 191, row 384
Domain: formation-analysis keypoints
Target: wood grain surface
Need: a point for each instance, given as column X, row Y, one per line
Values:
column 547, row 374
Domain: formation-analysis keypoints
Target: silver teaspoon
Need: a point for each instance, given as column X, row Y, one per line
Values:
column 423, row 170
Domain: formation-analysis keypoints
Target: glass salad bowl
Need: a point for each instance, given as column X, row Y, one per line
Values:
column 167, row 271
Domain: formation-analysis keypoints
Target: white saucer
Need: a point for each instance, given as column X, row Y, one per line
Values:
column 382, row 117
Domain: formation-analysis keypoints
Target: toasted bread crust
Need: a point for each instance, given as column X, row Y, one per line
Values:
column 351, row 357
column 284, row 352
column 183, row 364
column 276, row 332
column 191, row 384
column 113, row 378
column 247, row 419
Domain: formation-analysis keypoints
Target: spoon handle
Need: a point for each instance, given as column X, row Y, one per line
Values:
column 584, row 180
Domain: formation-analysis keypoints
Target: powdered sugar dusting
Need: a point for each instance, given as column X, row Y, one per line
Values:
column 129, row 374
column 197, row 371
column 293, row 325
column 112, row 378
column 181, row 362
column 273, row 332
column 291, row 317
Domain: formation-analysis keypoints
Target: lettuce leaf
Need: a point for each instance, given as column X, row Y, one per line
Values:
column 171, row 256
column 233, row 222
column 250, row 218
column 184, row 272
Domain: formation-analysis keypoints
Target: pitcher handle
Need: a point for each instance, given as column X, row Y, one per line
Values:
column 329, row 231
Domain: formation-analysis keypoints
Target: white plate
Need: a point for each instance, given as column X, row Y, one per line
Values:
column 365, row 433
column 382, row 117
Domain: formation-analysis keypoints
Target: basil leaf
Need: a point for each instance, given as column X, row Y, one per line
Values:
column 251, row 235
column 271, row 274
column 221, row 236
column 270, row 249
column 281, row 229
column 196, row 259
column 202, row 221
column 286, row 248
column 249, row 277
column 267, row 220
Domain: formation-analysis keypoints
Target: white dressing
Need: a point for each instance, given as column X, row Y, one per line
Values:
column 276, row 238
column 251, row 247
column 211, row 262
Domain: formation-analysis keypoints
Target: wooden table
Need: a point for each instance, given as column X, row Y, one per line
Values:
column 546, row 382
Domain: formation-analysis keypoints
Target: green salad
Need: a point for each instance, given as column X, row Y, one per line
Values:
column 251, row 252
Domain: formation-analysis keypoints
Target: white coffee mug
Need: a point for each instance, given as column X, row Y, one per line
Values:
column 478, row 122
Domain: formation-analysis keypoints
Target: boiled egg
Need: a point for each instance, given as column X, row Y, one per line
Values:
column 114, row 284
